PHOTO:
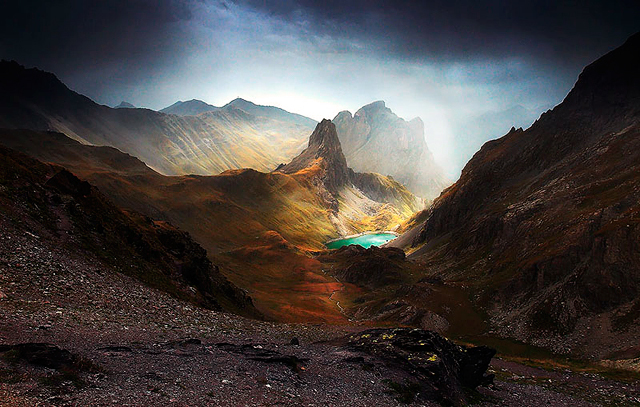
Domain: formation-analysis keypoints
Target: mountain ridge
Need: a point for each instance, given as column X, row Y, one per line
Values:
column 171, row 144
column 73, row 214
column 542, row 221
column 270, row 111
column 191, row 107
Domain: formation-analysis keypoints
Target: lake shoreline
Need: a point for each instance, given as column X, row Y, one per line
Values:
column 361, row 239
column 380, row 232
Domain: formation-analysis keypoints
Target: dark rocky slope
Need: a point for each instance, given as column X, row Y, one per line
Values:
column 545, row 223
column 50, row 202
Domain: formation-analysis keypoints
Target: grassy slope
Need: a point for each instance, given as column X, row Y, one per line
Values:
column 233, row 216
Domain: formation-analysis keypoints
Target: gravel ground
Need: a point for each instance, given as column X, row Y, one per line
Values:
column 148, row 349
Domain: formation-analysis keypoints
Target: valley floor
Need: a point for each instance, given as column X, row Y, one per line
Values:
column 142, row 347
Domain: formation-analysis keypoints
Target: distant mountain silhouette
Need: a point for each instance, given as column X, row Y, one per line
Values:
column 271, row 112
column 124, row 105
column 191, row 107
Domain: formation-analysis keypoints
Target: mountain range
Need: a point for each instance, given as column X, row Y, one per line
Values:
column 228, row 138
column 194, row 137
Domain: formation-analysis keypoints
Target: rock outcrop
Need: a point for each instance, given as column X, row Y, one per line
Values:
column 324, row 150
column 441, row 369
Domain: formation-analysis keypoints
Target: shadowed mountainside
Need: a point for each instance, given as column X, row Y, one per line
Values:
column 544, row 224
column 53, row 204
column 376, row 140
column 210, row 143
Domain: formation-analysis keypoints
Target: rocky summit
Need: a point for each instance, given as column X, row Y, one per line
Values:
column 324, row 149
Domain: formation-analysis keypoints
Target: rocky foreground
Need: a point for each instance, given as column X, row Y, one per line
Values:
column 114, row 340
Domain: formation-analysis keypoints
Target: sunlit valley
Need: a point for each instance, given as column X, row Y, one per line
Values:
column 212, row 251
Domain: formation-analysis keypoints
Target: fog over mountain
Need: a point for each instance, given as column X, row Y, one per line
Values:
column 445, row 62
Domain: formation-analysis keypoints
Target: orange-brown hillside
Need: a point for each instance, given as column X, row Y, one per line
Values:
column 236, row 213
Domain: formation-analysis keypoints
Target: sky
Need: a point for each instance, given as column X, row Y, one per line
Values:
column 459, row 65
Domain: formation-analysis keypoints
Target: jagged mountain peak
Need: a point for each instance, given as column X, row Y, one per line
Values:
column 325, row 135
column 376, row 105
column 608, row 85
column 376, row 140
column 324, row 149
column 374, row 108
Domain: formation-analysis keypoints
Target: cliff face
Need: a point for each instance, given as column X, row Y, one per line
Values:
column 376, row 140
column 545, row 223
column 324, row 150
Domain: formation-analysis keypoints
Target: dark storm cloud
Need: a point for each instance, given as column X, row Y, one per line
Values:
column 75, row 35
column 558, row 30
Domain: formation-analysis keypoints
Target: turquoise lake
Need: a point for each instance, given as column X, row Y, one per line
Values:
column 366, row 241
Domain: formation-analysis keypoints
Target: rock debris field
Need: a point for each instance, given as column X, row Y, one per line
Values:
column 74, row 332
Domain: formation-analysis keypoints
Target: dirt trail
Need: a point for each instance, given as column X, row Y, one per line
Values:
column 342, row 287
